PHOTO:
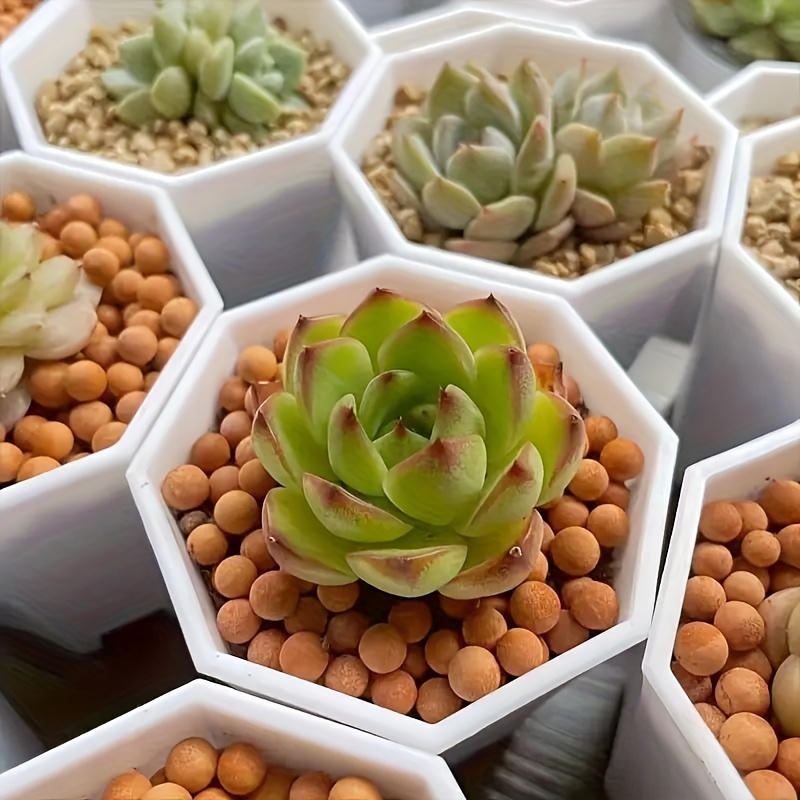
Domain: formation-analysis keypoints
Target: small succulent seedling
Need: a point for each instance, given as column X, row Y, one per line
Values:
column 412, row 449
column 510, row 167
column 218, row 61
column 755, row 29
column 47, row 311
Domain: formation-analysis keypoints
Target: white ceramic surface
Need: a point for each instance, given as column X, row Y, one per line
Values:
column 733, row 475
column 626, row 302
column 142, row 739
column 606, row 390
column 74, row 562
column 17, row 742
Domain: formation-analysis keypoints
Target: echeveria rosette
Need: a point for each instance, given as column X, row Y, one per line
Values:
column 218, row 61
column 509, row 167
column 412, row 449
column 47, row 311
column 766, row 30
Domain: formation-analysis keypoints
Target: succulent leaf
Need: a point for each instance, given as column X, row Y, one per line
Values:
column 449, row 133
column 489, row 103
column 214, row 16
column 169, row 35
column 626, row 159
column 216, row 69
column 249, row 57
column 531, row 93
column 559, row 194
column 786, row 695
column 590, row 209
column 389, row 395
column 120, row 83
column 308, row 330
column 171, row 94
column 605, row 113
column 399, row 444
column 484, row 171
column 448, row 93
column 504, row 220
column 247, row 22
column 483, row 248
column 196, row 48
column 12, row 366
column 415, row 160
column 485, row 322
column 535, row 158
column 635, row 201
column 137, row 56
column 457, row 416
column 290, row 60
column 251, row 102
column 137, row 108
column 542, row 243
column 449, row 203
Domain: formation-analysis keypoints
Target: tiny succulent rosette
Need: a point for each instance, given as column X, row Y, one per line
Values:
column 47, row 311
column 216, row 61
column 509, row 168
column 412, row 449
column 766, row 30
column 781, row 614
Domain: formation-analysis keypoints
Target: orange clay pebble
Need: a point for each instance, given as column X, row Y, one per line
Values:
column 254, row 547
column 617, row 494
column 303, row 656
column 354, row 789
column 151, row 256
column 761, row 548
column 599, row 432
column 741, row 564
column 702, row 598
column 236, row 621
column 474, row 673
column 308, row 616
column 338, row 598
column 156, row 291
column 256, row 364
column 484, row 627
column 100, row 265
column 86, row 419
column 345, row 631
column 234, row 576
column 222, row 480
column 540, row 568
column 112, row 227
column 55, row 220
column 232, row 394
column 210, row 452
column 622, row 459
column 590, row 481
column 766, row 784
column 255, row 480
column 742, row 690
column 595, row 605
column 265, row 648
column 436, row 700
column 167, row 791
column 25, row 429
column 789, row 540
column 441, row 647
column 311, row 786
column 85, row 208
column 53, row 439
column 241, row 768
column 130, row 785
column 566, row 634
column 207, row 545
column 185, row 487
column 85, row 381
column 213, row 794
column 46, row 384
column 457, row 609
column 348, row 675
column 18, row 207
column 713, row 560
column 753, row 517
column 782, row 576
column 128, row 404
column 235, row 427
column 519, row 651
column 177, row 315
column 535, row 606
column 788, row 761
column 396, row 691
column 609, row 524
column 237, row 512
column 698, row 688
column 137, row 345
column 37, row 465
column 575, row 551
column 712, row 716
column 749, row 741
column 244, row 452
column 744, row 586
column 700, row 648
column 108, row 435
column 165, row 350
column 412, row 619
column 192, row 764
column 382, row 649
column 567, row 512
column 145, row 316
column 124, row 378
column 753, row 660
column 740, row 624
column 11, row 459
column 781, row 501
column 109, row 321
column 415, row 663
column 720, row 522
column 77, row 237
column 102, row 351
column 274, row 595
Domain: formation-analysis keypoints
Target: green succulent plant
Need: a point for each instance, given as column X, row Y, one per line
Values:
column 412, row 449
column 755, row 29
column 218, row 61
column 47, row 310
column 510, row 167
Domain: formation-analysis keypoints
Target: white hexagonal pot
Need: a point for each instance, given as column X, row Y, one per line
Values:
column 733, row 475
column 142, row 739
column 606, row 390
column 626, row 301
column 73, row 560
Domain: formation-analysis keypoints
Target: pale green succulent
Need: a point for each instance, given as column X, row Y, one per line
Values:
column 218, row 61
column 47, row 311
column 508, row 168
column 755, row 29
column 412, row 449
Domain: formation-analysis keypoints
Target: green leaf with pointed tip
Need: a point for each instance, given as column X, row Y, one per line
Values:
column 399, row 444
column 665, row 128
column 389, row 395
column 535, row 159
column 542, row 243
column 605, row 113
column 428, row 347
column 449, row 203
column 421, row 419
column 503, row 252
column 557, row 431
column 250, row 57
column 485, row 171
column 136, row 55
column 448, row 93
column 413, row 566
column 608, row 82
column 503, row 221
column 531, row 93
column 491, row 137
column 717, row 19
column 234, row 124
column 448, row 134
column 457, row 416
column 760, row 44
column 756, row 12
column 633, row 203
column 119, row 83
column 216, row 69
column 489, row 102
column 349, row 517
column 327, row 372
column 559, row 194
column 247, row 22
column 376, row 317
column 565, row 92
column 414, row 160
column 272, row 82
column 504, row 392
column 437, row 483
column 206, row 110
column 283, row 443
column 625, row 160
column 169, row 35
column 136, row 109
column 484, row 322
column 499, row 562
column 172, row 93
column 308, row 330
column 590, row 209
column 196, row 48
column 214, row 17
column 252, row 103
column 301, row 544
column 584, row 145
column 290, row 59
column 353, row 457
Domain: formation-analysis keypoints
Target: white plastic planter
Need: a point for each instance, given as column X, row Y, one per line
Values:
column 73, row 560
column 767, row 89
column 736, row 474
column 142, row 739
column 626, row 302
column 606, row 390
column 17, row 742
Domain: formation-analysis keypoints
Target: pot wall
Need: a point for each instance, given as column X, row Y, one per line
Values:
column 17, row 742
